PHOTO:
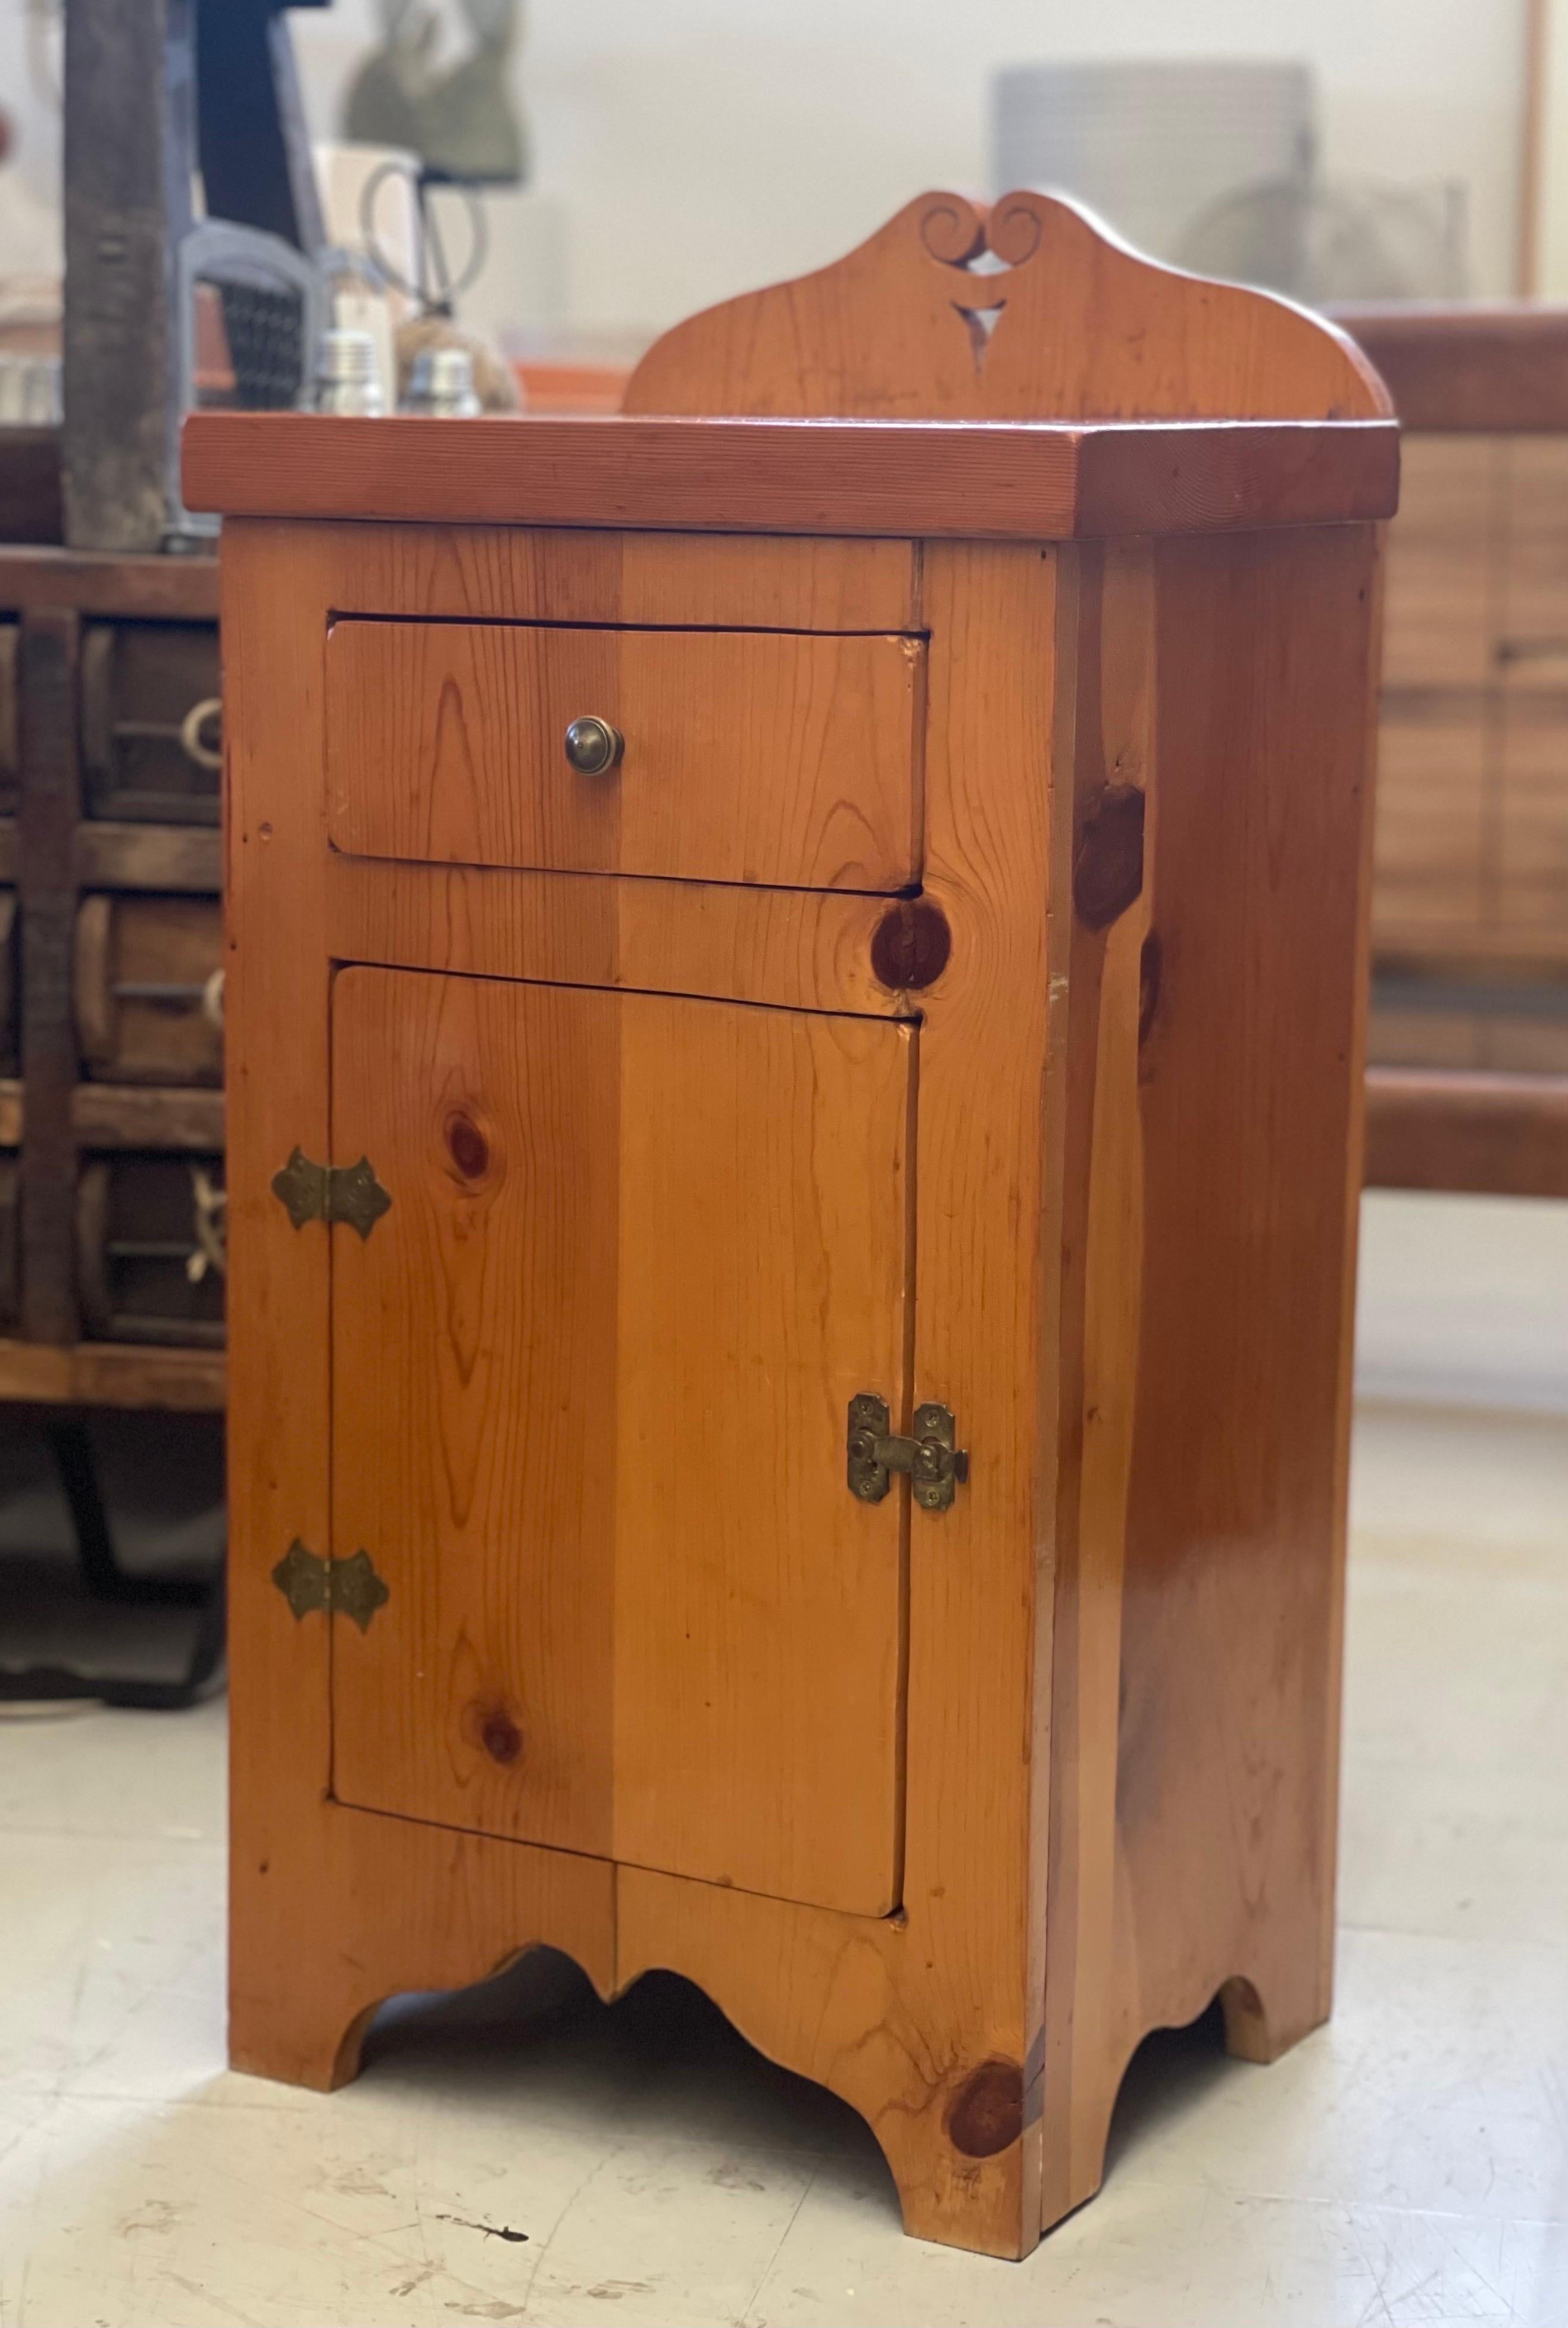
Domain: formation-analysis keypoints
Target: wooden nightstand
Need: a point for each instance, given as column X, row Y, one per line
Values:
column 795, row 1042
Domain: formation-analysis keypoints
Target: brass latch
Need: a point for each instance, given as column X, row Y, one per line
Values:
column 933, row 1458
column 331, row 1192
column 341, row 1588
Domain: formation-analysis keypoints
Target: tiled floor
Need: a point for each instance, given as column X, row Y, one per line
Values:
column 1407, row 2166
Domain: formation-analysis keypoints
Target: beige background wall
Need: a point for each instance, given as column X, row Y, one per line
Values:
column 688, row 148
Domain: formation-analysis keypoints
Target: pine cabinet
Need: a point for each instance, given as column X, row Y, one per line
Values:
column 794, row 1011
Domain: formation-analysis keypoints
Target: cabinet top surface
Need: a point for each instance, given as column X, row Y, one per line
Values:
column 965, row 479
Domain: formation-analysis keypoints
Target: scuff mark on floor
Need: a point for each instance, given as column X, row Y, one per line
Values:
column 490, row 2231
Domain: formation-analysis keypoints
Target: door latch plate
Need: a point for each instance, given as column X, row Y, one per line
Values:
column 936, row 1464
column 340, row 1588
column 308, row 1191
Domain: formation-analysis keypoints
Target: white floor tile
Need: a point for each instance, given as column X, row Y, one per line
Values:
column 79, row 1769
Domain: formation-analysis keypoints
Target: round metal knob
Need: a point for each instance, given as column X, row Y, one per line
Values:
column 593, row 745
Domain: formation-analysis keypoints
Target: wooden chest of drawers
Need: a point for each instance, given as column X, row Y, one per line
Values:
column 795, row 1037
column 111, row 1109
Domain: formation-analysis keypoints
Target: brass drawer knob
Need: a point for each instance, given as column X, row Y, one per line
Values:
column 593, row 745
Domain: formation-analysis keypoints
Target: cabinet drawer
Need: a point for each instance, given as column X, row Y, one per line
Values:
column 10, row 718
column 10, row 947
column 10, row 1239
column 152, row 721
column 150, row 1249
column 780, row 758
column 148, row 989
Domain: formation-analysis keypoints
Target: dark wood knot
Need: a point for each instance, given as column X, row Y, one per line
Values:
column 501, row 1737
column 1150, row 979
column 467, row 1146
column 1108, row 861
column 987, row 2113
column 911, row 944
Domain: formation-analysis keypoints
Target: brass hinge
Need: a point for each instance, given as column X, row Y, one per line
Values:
column 933, row 1458
column 342, row 1587
column 331, row 1192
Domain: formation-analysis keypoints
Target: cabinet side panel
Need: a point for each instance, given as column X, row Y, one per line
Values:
column 1230, row 1578
column 1252, row 1109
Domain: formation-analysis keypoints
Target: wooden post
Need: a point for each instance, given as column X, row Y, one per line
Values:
column 128, row 159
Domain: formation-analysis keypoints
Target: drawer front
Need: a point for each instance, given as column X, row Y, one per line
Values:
column 152, row 721
column 591, row 1372
column 150, row 1248
column 784, row 759
column 149, row 989
column 10, row 1239
column 10, row 948
column 10, row 718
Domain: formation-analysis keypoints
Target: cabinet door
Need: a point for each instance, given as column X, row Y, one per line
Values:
column 591, row 1372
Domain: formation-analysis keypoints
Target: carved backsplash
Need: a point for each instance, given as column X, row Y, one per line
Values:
column 1028, row 311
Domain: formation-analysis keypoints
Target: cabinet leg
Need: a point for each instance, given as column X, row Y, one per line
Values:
column 350, row 1909
column 298, row 2036
column 1260, row 2027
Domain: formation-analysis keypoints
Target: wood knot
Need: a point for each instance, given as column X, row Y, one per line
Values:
column 911, row 944
column 1151, row 978
column 987, row 2113
column 467, row 1146
column 500, row 1736
column 1108, row 860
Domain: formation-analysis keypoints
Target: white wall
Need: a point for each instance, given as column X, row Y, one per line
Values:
column 30, row 222
column 689, row 148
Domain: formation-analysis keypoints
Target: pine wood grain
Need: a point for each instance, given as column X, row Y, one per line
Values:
column 1113, row 757
column 765, row 1264
column 1006, row 481
column 929, row 2022
column 1125, row 1178
column 1079, row 327
column 807, row 950
column 369, row 1905
column 474, row 1388
column 748, row 756
column 589, row 1421
column 1231, row 1578
column 572, row 574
